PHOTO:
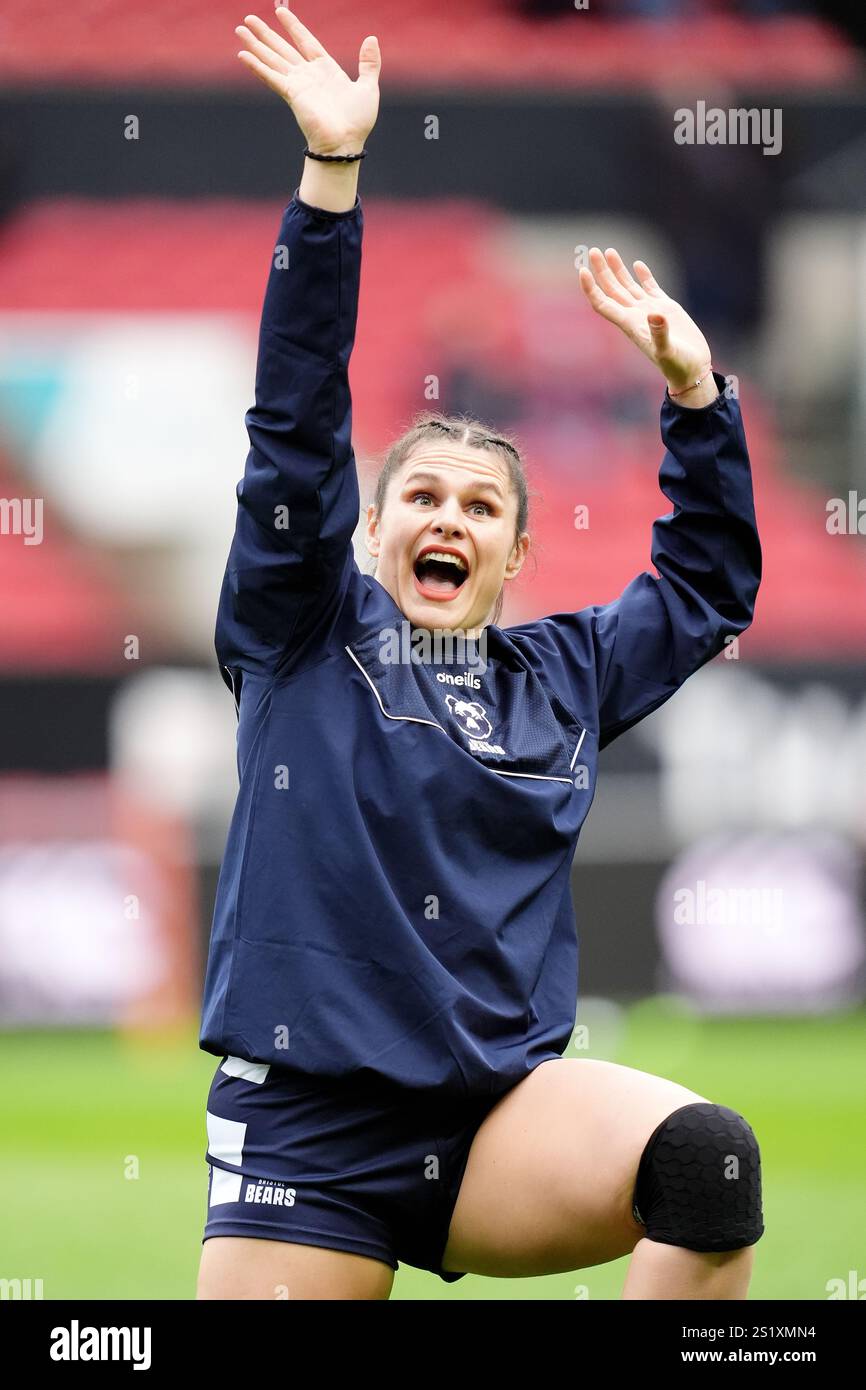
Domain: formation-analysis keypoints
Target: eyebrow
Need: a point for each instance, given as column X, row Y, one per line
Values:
column 477, row 484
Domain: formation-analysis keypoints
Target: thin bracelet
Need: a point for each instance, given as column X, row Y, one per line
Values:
column 674, row 394
column 335, row 158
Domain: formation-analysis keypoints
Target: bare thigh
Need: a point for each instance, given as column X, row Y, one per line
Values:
column 238, row 1267
column 550, row 1178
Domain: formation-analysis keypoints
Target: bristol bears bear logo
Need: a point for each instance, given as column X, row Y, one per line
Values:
column 474, row 723
column 470, row 716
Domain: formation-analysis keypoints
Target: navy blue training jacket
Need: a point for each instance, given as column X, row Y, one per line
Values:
column 394, row 900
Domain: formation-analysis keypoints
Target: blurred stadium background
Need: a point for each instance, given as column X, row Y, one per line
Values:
column 719, row 882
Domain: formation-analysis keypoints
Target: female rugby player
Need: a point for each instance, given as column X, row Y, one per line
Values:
column 392, row 973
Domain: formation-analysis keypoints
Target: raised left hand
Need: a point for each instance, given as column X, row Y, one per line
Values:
column 657, row 324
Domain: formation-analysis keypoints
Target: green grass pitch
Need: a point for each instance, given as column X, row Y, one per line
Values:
column 80, row 1109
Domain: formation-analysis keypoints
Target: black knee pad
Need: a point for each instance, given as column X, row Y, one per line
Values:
column 699, row 1180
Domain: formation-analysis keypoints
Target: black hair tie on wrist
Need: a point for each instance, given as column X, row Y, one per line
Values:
column 335, row 158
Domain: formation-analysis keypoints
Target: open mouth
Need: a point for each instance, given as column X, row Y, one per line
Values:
column 438, row 578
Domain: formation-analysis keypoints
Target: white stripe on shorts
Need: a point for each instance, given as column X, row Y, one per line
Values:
column 247, row 1071
column 224, row 1186
column 225, row 1139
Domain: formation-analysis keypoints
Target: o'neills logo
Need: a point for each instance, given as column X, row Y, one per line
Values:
column 465, row 679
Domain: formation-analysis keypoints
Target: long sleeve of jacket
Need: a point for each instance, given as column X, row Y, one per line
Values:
column 298, row 501
column 636, row 651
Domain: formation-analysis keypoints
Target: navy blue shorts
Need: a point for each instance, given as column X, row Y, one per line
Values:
column 369, row 1167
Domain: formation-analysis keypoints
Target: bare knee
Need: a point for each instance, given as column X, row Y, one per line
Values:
column 240, row 1267
column 672, row 1272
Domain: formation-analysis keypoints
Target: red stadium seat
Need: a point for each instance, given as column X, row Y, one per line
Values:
column 487, row 42
column 154, row 257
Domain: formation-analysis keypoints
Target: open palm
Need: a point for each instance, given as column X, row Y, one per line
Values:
column 659, row 326
column 335, row 113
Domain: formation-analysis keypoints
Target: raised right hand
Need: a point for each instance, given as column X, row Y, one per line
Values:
column 335, row 114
